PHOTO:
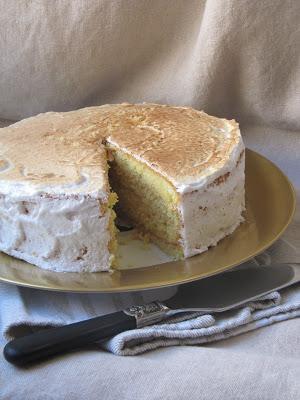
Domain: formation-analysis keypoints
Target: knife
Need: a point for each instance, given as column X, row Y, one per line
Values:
column 210, row 295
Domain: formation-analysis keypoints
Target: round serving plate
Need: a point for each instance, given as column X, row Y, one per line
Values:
column 270, row 204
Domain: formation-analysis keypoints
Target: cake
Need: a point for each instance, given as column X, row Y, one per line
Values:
column 176, row 173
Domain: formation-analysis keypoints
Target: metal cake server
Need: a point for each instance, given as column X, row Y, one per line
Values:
column 210, row 295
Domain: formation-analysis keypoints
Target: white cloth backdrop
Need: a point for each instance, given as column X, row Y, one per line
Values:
column 233, row 58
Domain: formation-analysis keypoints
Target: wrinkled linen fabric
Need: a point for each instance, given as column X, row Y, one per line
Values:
column 232, row 58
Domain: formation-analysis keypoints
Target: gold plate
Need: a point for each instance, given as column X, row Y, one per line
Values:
column 270, row 204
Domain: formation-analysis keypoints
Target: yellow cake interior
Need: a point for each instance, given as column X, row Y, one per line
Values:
column 146, row 199
column 113, row 244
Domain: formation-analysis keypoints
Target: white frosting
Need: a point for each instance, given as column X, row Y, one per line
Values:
column 213, row 211
column 213, row 172
column 57, row 234
column 88, row 183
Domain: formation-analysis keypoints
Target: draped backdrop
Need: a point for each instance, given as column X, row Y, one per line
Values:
column 233, row 58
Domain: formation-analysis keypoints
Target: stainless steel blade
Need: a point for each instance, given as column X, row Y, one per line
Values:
column 222, row 292
column 219, row 292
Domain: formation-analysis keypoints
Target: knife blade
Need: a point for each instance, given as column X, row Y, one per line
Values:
column 214, row 294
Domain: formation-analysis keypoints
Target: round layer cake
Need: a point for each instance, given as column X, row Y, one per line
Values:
column 176, row 173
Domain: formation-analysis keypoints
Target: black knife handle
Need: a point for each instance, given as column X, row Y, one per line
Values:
column 47, row 342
